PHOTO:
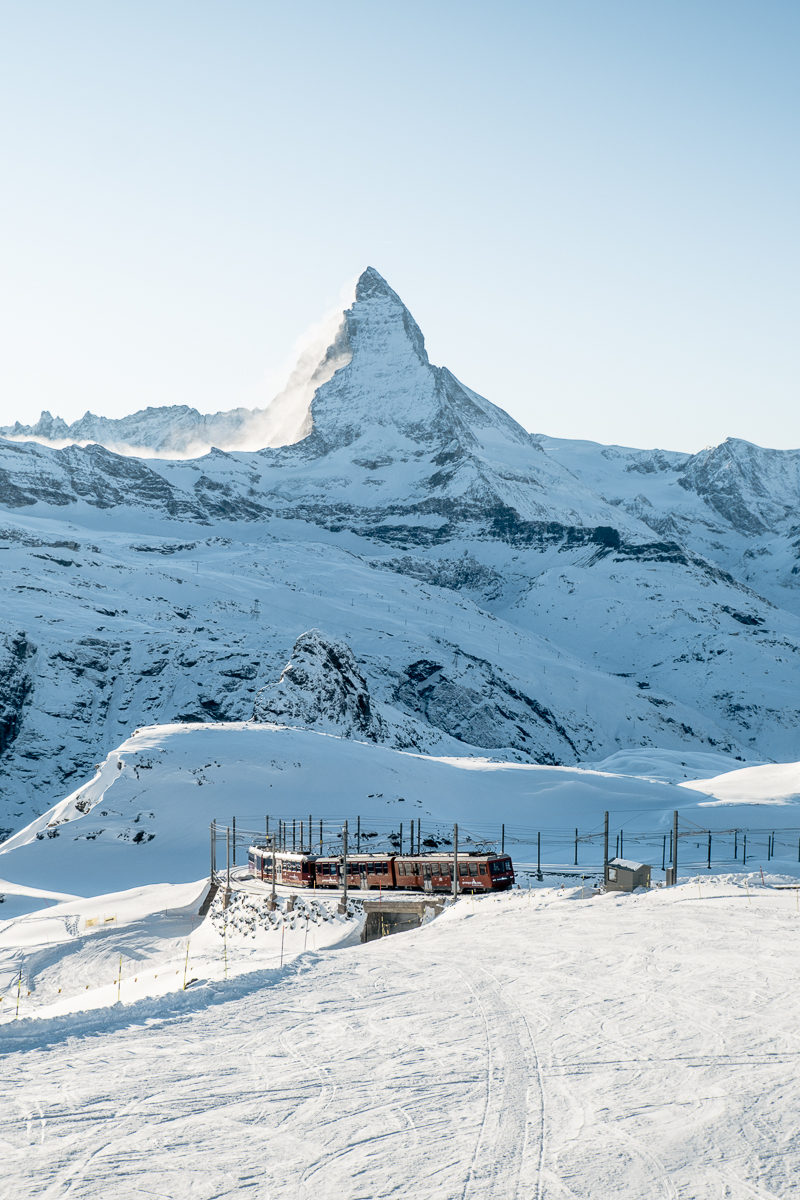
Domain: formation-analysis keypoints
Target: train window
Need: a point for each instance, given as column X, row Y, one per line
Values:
column 401, row 868
column 473, row 868
column 507, row 864
column 483, row 868
column 463, row 868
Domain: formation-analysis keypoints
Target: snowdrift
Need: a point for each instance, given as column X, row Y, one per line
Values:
column 772, row 783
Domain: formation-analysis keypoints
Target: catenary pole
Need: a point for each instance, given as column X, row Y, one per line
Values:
column 605, row 843
column 455, row 861
column 344, row 863
column 675, row 846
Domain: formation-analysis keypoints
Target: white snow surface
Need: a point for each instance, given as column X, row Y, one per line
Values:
column 773, row 783
column 532, row 1044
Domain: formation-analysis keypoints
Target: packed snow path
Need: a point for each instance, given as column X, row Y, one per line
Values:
column 541, row 1046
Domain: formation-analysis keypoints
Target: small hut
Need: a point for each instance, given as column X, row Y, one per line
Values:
column 622, row 875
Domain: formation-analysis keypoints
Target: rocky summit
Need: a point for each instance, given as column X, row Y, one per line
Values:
column 386, row 555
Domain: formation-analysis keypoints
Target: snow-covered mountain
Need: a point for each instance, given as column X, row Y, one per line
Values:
column 436, row 578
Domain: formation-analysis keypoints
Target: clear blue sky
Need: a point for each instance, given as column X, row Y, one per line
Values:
column 591, row 208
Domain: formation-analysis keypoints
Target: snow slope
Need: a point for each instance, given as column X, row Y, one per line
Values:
column 145, row 816
column 544, row 1046
column 773, row 783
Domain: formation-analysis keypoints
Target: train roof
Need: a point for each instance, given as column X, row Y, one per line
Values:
column 304, row 856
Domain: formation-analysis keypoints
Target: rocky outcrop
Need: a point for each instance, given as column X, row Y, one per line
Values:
column 16, row 685
column 321, row 687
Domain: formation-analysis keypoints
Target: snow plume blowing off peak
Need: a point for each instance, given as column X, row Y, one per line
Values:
column 181, row 432
column 390, row 383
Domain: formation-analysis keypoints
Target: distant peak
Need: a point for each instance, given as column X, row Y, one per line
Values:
column 372, row 284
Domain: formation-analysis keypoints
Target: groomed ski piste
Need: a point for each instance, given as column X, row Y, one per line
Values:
column 549, row 1041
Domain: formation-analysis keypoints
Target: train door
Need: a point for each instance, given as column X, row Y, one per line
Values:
column 427, row 882
column 363, row 880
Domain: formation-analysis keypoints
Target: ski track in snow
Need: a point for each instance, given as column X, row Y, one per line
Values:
column 517, row 1047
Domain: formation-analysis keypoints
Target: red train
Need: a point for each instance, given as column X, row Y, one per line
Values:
column 373, row 872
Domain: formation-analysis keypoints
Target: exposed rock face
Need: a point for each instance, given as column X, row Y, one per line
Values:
column 15, row 685
column 478, row 706
column 321, row 687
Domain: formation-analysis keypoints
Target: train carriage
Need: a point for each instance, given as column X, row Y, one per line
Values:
column 364, row 871
column 433, row 873
column 290, row 867
column 372, row 872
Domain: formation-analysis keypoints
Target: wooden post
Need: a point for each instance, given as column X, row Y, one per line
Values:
column 709, row 849
column 616, row 852
column 294, row 844
column 455, row 861
column 735, row 843
column 302, row 842
column 539, row 857
column 401, row 838
column 310, row 834
column 664, row 854
column 419, row 835
column 576, row 847
column 744, row 849
column 605, row 845
column 320, row 835
column 675, row 846
column 358, row 835
column 621, row 844
column 502, row 839
column 234, row 841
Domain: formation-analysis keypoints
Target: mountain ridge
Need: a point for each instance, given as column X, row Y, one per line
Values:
column 496, row 592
